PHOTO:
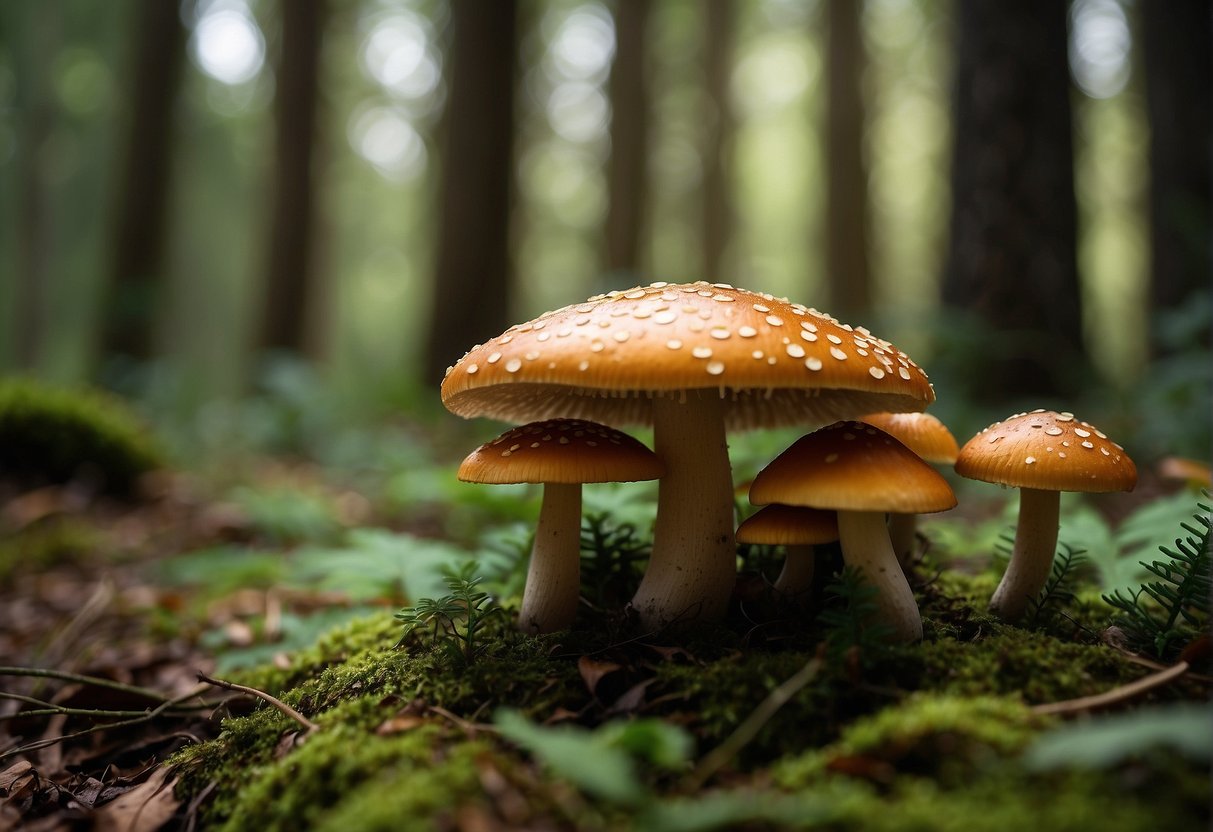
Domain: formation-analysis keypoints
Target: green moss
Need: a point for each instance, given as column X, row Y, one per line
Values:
column 53, row 434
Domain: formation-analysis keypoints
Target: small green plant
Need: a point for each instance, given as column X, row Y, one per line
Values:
column 456, row 618
column 612, row 556
column 850, row 617
column 1161, row 616
column 1058, row 589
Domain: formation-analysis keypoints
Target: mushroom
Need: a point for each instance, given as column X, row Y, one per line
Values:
column 926, row 436
column 860, row 472
column 1041, row 453
column 562, row 454
column 797, row 529
column 691, row 359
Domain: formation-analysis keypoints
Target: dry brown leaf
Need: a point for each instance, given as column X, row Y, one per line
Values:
column 592, row 671
column 144, row 808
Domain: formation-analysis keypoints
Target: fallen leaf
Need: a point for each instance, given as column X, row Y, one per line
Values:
column 592, row 671
column 144, row 808
column 11, row 778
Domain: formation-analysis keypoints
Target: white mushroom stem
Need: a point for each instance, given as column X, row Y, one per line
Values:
column 797, row 575
column 553, row 580
column 864, row 538
column 693, row 567
column 903, row 531
column 1032, row 557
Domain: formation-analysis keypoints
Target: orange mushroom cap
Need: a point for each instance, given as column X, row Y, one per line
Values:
column 922, row 433
column 780, row 525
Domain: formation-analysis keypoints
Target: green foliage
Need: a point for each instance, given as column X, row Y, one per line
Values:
column 1161, row 616
column 54, row 434
column 1106, row 741
column 456, row 618
column 851, row 619
column 613, row 555
column 287, row 515
column 1058, row 589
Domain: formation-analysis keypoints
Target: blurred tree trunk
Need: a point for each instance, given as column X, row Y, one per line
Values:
column 848, row 278
column 472, row 268
column 289, row 318
column 141, row 227
column 1012, row 258
column 1178, row 41
column 720, row 21
column 627, row 174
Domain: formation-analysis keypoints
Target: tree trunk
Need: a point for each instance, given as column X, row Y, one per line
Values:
column 288, row 316
column 142, row 218
column 720, row 26
column 1178, row 41
column 847, row 270
column 472, row 268
column 1012, row 260
column 627, row 174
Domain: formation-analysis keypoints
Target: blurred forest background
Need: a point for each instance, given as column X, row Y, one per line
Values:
column 204, row 199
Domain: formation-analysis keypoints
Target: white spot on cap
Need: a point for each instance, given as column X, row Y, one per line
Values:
column 795, row 350
column 1083, row 433
column 543, row 336
column 674, row 344
column 702, row 352
column 757, row 354
column 1087, row 444
column 813, row 363
column 1065, row 416
column 1105, row 452
column 597, row 346
column 1030, row 460
column 1053, row 430
column 876, row 372
column 473, row 369
column 494, row 357
column 904, row 373
column 833, row 339
column 720, row 333
column 622, row 335
column 747, row 331
column 666, row 317
column 774, row 320
column 808, row 336
column 758, row 307
column 837, row 353
column 715, row 367
column 513, row 365
column 831, row 457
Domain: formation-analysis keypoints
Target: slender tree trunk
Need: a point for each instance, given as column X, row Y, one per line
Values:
column 1012, row 259
column 627, row 174
column 136, row 273
column 848, row 276
column 289, row 319
column 1178, row 40
column 472, row 269
column 720, row 17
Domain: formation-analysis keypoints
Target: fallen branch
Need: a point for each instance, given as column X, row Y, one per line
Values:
column 1124, row 693
column 282, row 707
column 715, row 759
column 94, row 681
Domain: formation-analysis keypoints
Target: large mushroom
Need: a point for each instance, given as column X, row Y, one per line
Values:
column 798, row 530
column 691, row 359
column 926, row 436
column 860, row 472
column 562, row 454
column 1041, row 453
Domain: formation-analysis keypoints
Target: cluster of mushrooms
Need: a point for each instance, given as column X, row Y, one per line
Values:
column 696, row 360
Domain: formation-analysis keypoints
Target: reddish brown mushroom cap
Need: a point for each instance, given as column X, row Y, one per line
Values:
column 1048, row 451
column 922, row 433
column 852, row 466
column 780, row 525
column 561, row 451
column 774, row 362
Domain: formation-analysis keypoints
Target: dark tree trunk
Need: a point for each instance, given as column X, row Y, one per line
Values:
column 141, row 215
column 720, row 22
column 288, row 317
column 627, row 175
column 848, row 280
column 1012, row 259
column 472, row 268
column 1178, row 40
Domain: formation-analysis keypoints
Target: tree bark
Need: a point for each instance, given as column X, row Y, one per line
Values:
column 1178, row 42
column 288, row 317
column 1012, row 258
column 627, row 169
column 720, row 22
column 847, row 268
column 472, row 268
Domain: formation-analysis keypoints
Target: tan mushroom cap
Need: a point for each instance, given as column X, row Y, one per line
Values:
column 852, row 466
column 1049, row 451
column 774, row 361
column 781, row 525
column 561, row 451
column 922, row 433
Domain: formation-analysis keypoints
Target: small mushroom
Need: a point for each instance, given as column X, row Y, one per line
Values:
column 797, row 529
column 928, row 437
column 861, row 472
column 1041, row 453
column 562, row 454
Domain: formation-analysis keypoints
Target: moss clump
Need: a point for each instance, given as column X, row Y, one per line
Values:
column 54, row 434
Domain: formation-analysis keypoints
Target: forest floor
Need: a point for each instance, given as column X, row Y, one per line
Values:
column 774, row 719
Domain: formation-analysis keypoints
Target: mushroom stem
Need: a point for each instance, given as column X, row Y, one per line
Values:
column 693, row 567
column 797, row 575
column 553, row 579
column 1032, row 557
column 903, row 530
column 865, row 546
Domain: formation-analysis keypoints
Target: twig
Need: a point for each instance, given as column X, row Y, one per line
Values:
column 44, row 708
column 94, row 681
column 715, row 759
column 282, row 707
column 1124, row 693
column 470, row 727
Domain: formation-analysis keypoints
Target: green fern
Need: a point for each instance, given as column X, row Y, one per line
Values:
column 1057, row 590
column 1161, row 616
column 456, row 618
column 612, row 559
column 851, row 617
